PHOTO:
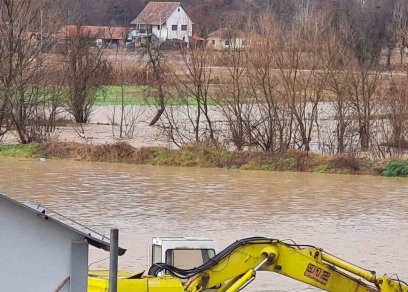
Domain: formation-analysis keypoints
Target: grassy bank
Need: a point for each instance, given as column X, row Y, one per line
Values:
column 209, row 157
column 137, row 95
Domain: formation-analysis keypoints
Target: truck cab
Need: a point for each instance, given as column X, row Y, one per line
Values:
column 181, row 252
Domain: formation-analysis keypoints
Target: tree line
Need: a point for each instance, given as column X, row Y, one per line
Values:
column 292, row 86
column 312, row 82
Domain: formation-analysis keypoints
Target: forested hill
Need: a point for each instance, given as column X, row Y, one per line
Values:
column 208, row 13
column 372, row 16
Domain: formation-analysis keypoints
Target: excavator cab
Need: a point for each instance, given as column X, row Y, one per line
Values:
column 181, row 252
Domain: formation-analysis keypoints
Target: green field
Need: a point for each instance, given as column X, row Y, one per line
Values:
column 136, row 95
column 132, row 95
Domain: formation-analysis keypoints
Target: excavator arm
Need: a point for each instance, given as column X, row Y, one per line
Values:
column 235, row 267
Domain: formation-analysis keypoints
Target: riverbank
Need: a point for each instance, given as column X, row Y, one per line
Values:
column 208, row 157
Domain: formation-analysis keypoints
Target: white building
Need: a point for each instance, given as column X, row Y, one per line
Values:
column 225, row 39
column 164, row 20
column 41, row 253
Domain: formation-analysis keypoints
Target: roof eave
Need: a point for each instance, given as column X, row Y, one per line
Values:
column 42, row 214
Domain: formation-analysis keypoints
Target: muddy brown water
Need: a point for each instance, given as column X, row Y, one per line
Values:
column 360, row 218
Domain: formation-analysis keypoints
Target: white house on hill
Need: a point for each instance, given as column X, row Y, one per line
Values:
column 164, row 20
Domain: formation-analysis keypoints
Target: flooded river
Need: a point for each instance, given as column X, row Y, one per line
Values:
column 359, row 218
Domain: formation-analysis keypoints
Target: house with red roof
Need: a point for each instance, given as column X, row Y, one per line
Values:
column 100, row 36
column 164, row 21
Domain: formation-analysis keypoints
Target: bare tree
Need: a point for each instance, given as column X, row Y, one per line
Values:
column 396, row 111
column 303, row 82
column 364, row 95
column 270, row 126
column 26, row 103
column 339, row 62
column 397, row 31
column 158, row 66
column 129, row 113
column 87, row 71
column 194, row 85
column 235, row 92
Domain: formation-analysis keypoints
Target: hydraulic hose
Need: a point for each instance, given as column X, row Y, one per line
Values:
column 155, row 269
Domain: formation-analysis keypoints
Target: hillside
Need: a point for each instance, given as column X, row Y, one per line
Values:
column 370, row 17
column 206, row 14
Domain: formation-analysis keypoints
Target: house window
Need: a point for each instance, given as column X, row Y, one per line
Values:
column 178, row 10
column 184, row 27
column 158, row 27
column 174, row 27
column 227, row 43
column 213, row 42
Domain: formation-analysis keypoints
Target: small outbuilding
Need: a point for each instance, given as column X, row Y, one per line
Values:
column 42, row 250
column 226, row 39
column 97, row 36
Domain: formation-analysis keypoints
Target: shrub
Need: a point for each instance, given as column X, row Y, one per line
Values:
column 19, row 150
column 396, row 168
column 321, row 168
column 286, row 164
column 368, row 164
column 345, row 162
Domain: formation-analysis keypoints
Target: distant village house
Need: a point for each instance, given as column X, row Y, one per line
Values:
column 162, row 21
column 99, row 36
column 225, row 38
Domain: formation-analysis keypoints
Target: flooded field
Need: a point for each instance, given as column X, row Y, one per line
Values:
column 361, row 219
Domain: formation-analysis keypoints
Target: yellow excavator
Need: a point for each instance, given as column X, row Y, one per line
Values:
column 235, row 267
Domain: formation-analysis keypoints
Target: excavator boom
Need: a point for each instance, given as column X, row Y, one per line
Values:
column 236, row 266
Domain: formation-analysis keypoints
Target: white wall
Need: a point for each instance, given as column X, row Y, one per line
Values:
column 217, row 43
column 179, row 18
column 37, row 254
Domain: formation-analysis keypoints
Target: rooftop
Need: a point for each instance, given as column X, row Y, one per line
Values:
column 102, row 32
column 156, row 13
column 93, row 237
column 226, row 33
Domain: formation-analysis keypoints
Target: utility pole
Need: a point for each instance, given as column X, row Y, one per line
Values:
column 113, row 261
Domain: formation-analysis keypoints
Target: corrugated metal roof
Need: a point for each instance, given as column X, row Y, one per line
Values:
column 156, row 13
column 93, row 237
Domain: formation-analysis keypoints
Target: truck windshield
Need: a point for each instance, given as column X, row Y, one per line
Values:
column 188, row 258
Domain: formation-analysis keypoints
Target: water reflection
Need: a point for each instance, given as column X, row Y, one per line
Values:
column 359, row 218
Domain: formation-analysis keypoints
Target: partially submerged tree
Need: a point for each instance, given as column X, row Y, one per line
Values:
column 395, row 107
column 302, row 80
column 270, row 127
column 87, row 71
column 193, row 90
column 158, row 66
column 26, row 30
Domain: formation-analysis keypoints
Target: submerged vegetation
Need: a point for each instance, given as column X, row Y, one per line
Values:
column 208, row 157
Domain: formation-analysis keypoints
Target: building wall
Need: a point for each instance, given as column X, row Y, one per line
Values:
column 178, row 18
column 217, row 43
column 38, row 254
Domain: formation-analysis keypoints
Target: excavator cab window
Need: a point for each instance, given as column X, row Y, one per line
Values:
column 157, row 253
column 188, row 258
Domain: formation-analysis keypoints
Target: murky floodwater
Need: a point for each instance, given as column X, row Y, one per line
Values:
column 362, row 219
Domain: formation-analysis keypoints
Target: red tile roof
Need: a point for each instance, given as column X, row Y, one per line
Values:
column 156, row 13
column 195, row 38
column 102, row 32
